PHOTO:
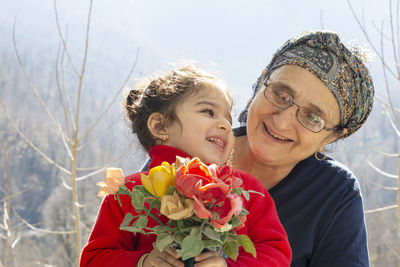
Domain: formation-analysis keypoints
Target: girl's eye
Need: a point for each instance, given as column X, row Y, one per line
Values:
column 209, row 112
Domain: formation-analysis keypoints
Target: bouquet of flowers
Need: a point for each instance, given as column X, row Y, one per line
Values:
column 203, row 204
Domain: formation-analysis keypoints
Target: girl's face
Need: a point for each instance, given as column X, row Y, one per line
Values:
column 275, row 136
column 204, row 129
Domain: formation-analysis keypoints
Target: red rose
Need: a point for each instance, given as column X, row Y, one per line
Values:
column 218, row 209
column 210, row 187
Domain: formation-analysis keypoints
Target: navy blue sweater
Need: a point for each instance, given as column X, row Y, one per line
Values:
column 319, row 204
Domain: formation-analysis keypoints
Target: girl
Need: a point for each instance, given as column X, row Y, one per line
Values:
column 185, row 113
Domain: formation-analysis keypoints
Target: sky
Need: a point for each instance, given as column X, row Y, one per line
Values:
column 234, row 38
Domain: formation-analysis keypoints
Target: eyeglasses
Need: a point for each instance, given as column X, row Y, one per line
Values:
column 282, row 99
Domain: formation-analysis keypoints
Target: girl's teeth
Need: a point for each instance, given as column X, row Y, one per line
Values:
column 216, row 140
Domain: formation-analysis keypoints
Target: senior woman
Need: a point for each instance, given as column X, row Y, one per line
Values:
column 314, row 91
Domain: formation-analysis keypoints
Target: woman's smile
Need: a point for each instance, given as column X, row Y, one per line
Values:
column 275, row 135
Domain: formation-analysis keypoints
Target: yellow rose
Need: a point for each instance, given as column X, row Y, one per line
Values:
column 114, row 179
column 172, row 207
column 160, row 178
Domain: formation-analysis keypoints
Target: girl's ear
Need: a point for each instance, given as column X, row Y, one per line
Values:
column 155, row 124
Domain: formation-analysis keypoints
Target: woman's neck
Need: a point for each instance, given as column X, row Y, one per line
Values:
column 243, row 159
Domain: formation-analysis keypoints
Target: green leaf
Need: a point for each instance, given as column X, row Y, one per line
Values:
column 143, row 190
column 256, row 192
column 123, row 190
column 247, row 245
column 164, row 241
column 211, row 244
column 238, row 191
column 133, row 229
column 192, row 246
column 155, row 203
column 211, row 234
column 235, row 222
column 195, row 232
column 137, row 199
column 246, row 195
column 119, row 199
column 141, row 222
column 179, row 238
column 231, row 248
column 223, row 236
column 244, row 212
column 127, row 219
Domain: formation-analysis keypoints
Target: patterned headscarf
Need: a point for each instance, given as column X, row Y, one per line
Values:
column 341, row 70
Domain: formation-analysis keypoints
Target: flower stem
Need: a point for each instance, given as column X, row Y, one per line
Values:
column 153, row 216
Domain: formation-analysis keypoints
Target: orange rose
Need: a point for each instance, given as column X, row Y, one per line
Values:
column 114, row 179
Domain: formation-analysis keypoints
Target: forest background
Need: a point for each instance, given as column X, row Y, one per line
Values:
column 64, row 63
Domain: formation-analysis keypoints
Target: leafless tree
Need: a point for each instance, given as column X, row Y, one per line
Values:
column 380, row 157
column 73, row 137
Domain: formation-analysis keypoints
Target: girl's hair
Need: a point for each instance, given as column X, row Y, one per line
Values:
column 162, row 94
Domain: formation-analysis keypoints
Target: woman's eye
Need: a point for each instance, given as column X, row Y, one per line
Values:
column 283, row 96
column 313, row 118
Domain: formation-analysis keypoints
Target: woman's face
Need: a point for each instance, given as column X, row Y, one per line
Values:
column 275, row 136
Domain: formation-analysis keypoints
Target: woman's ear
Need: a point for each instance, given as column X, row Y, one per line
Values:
column 156, row 125
column 334, row 137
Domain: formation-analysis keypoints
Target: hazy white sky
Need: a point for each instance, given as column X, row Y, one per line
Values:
column 238, row 36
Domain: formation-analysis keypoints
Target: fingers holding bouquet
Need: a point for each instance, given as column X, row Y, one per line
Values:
column 168, row 258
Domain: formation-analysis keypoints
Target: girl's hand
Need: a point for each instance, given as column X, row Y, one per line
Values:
column 210, row 259
column 167, row 258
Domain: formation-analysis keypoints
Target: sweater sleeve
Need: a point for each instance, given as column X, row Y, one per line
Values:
column 108, row 245
column 264, row 229
column 344, row 241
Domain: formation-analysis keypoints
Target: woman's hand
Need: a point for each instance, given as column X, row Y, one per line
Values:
column 167, row 258
column 210, row 259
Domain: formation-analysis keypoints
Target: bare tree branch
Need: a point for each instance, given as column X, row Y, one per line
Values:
column 114, row 98
column 65, row 183
column 101, row 132
column 20, row 192
column 362, row 27
column 63, row 83
column 385, row 104
column 388, row 95
column 48, row 159
column 63, row 41
column 397, row 131
column 34, row 90
column 60, row 93
column 380, row 209
column 378, row 30
column 46, row 231
column 394, row 45
column 389, row 175
column 102, row 167
column 381, row 186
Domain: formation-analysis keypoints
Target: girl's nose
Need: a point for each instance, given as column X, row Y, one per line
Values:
column 224, row 125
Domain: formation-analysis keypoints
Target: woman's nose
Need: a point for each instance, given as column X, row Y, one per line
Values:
column 285, row 118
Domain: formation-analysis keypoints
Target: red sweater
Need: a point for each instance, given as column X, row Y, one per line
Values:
column 109, row 246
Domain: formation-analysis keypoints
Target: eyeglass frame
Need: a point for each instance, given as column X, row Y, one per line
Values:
column 266, row 84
